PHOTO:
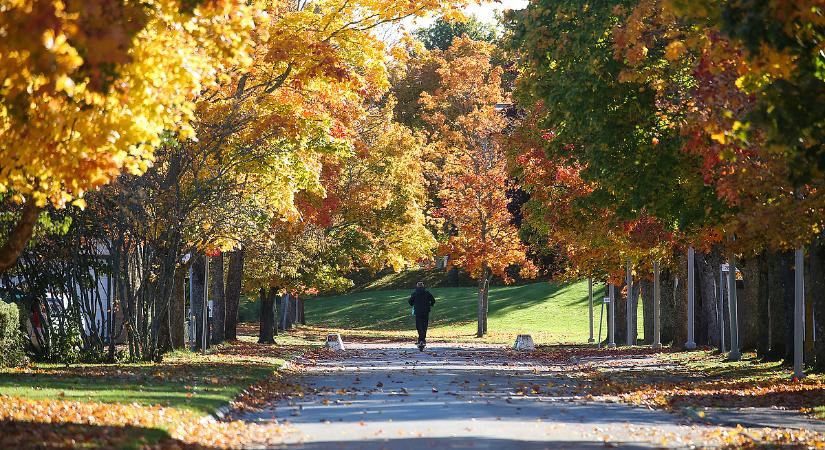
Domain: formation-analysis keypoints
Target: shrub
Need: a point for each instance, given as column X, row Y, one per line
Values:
column 11, row 340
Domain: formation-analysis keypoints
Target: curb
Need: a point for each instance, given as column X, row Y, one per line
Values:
column 222, row 412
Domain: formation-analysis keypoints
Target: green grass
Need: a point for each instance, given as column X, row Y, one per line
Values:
column 551, row 313
column 184, row 380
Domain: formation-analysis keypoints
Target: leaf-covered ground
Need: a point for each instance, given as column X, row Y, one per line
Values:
column 156, row 405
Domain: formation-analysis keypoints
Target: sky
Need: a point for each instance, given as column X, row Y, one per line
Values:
column 485, row 12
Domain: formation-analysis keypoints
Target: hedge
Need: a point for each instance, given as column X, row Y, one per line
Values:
column 11, row 342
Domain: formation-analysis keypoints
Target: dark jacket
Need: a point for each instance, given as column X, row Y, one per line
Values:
column 422, row 300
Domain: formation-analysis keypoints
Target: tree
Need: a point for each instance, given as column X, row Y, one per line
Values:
column 440, row 35
column 89, row 88
column 467, row 129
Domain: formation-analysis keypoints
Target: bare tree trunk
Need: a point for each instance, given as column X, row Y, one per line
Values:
column 668, row 306
column 621, row 317
column 483, row 282
column 817, row 290
column 268, row 325
column 19, row 236
column 218, row 300
column 707, row 265
column 177, row 310
column 198, row 285
column 680, row 319
column 234, row 281
column 749, row 313
column 779, row 275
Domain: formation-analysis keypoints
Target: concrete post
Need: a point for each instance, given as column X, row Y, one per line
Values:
column 657, row 301
column 612, row 296
column 590, row 307
column 691, row 275
column 799, row 313
column 733, row 309
column 630, row 310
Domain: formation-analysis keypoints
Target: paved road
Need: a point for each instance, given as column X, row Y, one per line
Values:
column 393, row 397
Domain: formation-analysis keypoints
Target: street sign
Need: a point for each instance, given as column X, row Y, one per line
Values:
column 725, row 267
column 606, row 300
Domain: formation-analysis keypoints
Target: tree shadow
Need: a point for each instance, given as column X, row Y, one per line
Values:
column 38, row 435
column 456, row 442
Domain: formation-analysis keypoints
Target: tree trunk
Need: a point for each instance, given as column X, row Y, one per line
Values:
column 198, row 283
column 621, row 317
column 177, row 310
column 267, row 332
column 646, row 287
column 817, row 290
column 19, row 236
column 486, row 303
column 234, row 281
column 779, row 274
column 808, row 355
column 668, row 307
column 749, row 314
column 708, row 327
column 216, row 293
column 483, row 288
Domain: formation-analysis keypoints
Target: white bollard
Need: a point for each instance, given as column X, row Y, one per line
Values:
column 524, row 342
column 334, row 342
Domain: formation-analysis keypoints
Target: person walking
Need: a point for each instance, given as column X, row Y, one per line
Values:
column 422, row 301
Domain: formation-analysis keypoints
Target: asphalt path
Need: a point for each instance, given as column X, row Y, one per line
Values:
column 455, row 396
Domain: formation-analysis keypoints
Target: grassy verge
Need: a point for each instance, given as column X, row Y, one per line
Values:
column 551, row 313
column 135, row 404
column 704, row 379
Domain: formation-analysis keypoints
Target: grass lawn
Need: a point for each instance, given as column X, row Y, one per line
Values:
column 551, row 313
column 132, row 404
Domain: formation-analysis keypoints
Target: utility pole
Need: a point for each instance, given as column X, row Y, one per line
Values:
column 657, row 302
column 691, row 343
column 612, row 343
column 733, row 310
column 799, row 313
column 590, row 306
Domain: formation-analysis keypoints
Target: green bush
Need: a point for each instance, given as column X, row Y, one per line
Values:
column 11, row 341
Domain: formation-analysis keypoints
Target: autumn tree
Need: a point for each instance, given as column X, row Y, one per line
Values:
column 466, row 130
column 89, row 88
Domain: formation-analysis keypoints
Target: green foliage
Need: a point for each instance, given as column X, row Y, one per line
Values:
column 440, row 34
column 11, row 340
column 614, row 129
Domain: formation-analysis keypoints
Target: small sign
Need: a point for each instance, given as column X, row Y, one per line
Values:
column 606, row 300
column 726, row 267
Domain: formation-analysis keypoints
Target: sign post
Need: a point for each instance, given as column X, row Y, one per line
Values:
column 205, row 315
